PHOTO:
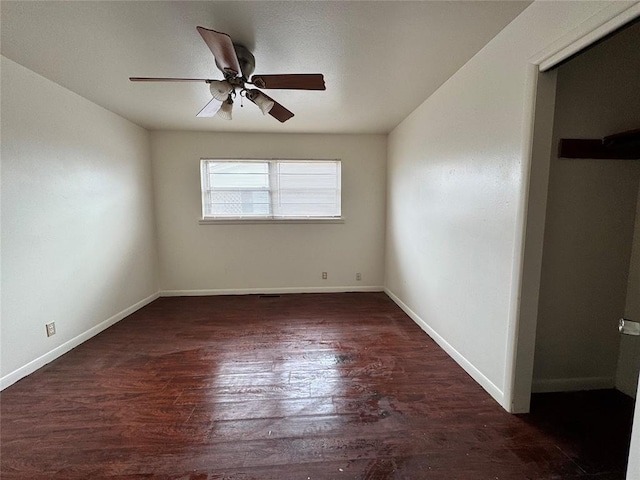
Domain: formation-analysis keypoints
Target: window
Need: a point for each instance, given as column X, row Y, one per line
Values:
column 271, row 189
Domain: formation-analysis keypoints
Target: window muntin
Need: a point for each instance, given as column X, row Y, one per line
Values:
column 271, row 189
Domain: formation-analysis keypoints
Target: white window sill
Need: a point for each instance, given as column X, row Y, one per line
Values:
column 258, row 221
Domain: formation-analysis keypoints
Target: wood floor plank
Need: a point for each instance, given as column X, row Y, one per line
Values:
column 314, row 386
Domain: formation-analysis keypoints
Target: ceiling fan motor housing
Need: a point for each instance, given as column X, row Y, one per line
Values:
column 237, row 64
column 246, row 60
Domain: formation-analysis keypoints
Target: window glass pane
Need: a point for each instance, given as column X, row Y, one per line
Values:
column 307, row 181
column 238, row 167
column 306, row 210
column 318, row 196
column 296, row 188
column 238, row 175
column 239, row 202
column 308, row 168
column 308, row 189
column 308, row 203
column 239, row 209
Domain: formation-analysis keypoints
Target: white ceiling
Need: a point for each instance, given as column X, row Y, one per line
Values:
column 380, row 59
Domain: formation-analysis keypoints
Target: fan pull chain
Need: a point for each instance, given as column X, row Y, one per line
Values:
column 243, row 93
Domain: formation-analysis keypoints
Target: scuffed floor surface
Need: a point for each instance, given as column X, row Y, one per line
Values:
column 314, row 386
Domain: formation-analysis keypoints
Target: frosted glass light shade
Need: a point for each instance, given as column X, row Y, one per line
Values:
column 225, row 110
column 220, row 89
column 261, row 100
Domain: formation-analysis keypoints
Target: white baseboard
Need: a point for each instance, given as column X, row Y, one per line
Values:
column 267, row 291
column 468, row 367
column 547, row 385
column 48, row 357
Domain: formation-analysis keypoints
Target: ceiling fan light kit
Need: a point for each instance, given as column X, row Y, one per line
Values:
column 261, row 100
column 237, row 63
column 226, row 109
column 220, row 89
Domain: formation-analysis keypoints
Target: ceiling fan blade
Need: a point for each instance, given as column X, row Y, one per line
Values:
column 160, row 79
column 277, row 111
column 210, row 109
column 294, row 81
column 280, row 113
column 221, row 46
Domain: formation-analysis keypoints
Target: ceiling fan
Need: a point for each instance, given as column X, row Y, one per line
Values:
column 237, row 63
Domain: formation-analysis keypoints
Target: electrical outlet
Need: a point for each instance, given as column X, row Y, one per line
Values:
column 358, row 277
column 51, row 329
column 324, row 275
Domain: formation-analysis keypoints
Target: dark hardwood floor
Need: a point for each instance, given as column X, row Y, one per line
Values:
column 315, row 386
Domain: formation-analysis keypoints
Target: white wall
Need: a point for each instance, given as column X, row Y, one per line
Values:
column 589, row 223
column 78, row 232
column 455, row 180
column 274, row 257
column 587, row 248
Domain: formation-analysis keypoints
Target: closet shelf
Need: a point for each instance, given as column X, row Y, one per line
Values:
column 621, row 146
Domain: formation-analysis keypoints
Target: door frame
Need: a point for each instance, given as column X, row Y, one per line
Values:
column 531, row 213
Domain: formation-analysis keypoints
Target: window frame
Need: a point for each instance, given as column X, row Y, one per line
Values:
column 273, row 194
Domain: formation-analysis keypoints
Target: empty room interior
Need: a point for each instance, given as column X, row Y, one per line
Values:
column 320, row 239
